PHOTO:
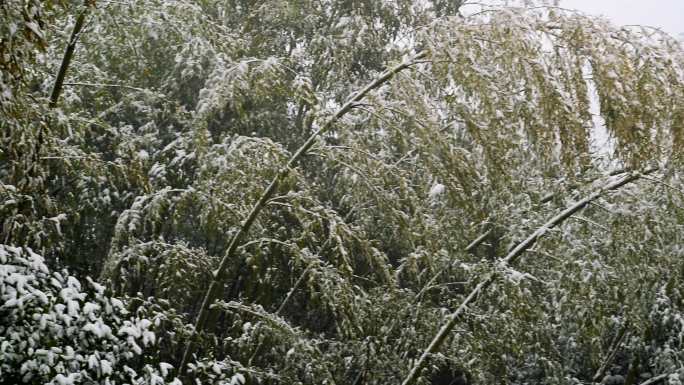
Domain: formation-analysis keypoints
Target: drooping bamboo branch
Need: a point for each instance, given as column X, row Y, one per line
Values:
column 218, row 275
column 544, row 199
column 69, row 53
column 508, row 260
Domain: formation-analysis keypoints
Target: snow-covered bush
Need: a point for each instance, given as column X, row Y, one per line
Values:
column 56, row 330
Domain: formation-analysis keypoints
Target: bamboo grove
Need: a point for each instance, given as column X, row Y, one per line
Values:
column 338, row 192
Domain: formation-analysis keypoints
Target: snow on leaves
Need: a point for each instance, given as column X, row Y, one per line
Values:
column 55, row 330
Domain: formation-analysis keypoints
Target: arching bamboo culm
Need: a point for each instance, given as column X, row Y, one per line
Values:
column 69, row 53
column 509, row 260
column 218, row 276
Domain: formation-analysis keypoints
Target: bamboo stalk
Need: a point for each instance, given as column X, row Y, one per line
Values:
column 69, row 53
column 218, row 275
column 510, row 259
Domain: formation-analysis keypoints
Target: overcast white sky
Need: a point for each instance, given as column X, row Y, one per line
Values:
column 665, row 14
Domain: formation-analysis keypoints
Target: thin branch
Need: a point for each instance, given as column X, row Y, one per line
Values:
column 673, row 188
column 508, row 260
column 228, row 258
column 589, row 221
column 262, row 240
column 478, row 241
column 544, row 253
column 295, row 287
column 547, row 198
column 270, row 318
column 107, row 85
column 430, row 283
column 655, row 379
column 600, row 206
column 612, row 351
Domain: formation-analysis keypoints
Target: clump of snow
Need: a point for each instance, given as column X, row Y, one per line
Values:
column 436, row 190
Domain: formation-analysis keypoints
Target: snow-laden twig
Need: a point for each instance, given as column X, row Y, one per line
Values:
column 478, row 241
column 612, row 351
column 589, row 221
column 671, row 187
column 108, row 85
column 655, row 379
column 508, row 260
column 294, row 288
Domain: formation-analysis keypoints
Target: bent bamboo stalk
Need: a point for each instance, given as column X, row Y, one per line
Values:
column 218, row 276
column 508, row 260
